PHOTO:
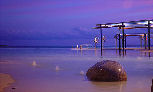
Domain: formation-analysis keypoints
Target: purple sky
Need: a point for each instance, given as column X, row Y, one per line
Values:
column 65, row 22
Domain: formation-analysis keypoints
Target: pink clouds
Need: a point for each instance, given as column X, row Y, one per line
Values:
column 136, row 3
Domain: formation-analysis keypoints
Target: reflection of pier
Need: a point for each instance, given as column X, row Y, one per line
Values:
column 148, row 24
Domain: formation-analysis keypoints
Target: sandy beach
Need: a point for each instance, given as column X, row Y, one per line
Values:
column 5, row 81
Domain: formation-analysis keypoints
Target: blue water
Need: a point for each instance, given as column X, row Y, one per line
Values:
column 18, row 62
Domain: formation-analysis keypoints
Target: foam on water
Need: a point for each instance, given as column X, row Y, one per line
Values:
column 82, row 72
column 34, row 63
column 57, row 68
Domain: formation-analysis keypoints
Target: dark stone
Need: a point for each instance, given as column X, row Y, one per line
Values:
column 13, row 88
column 106, row 70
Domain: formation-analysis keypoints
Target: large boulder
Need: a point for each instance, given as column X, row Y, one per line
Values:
column 106, row 70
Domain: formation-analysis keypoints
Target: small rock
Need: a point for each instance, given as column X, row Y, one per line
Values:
column 81, row 72
column 13, row 88
column 34, row 63
column 106, row 70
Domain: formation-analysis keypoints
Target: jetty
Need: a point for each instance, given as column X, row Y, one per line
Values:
column 122, row 36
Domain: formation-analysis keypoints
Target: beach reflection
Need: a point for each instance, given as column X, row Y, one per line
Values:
column 64, row 70
column 110, row 86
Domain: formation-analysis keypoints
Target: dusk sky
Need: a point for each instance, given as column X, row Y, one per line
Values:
column 66, row 22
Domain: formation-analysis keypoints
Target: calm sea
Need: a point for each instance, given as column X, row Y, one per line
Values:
column 58, row 70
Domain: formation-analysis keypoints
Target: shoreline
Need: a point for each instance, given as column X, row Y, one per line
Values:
column 142, row 49
column 5, row 81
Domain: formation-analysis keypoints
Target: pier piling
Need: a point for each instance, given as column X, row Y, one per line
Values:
column 149, row 35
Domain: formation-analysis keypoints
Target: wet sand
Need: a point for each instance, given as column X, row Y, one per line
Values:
column 147, row 51
column 5, row 81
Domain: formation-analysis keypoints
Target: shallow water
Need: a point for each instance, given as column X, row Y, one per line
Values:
column 34, row 70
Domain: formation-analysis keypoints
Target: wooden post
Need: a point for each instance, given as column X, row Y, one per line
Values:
column 145, row 42
column 123, row 36
column 116, row 41
column 125, row 41
column 119, row 42
column 101, row 33
column 148, row 34
column 141, row 41
column 119, row 36
column 80, row 47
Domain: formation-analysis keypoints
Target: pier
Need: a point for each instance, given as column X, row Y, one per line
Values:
column 122, row 36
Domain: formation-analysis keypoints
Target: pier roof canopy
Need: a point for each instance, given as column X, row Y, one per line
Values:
column 127, row 25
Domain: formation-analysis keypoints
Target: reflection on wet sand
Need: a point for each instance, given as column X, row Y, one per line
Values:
column 72, row 66
column 5, row 81
column 106, row 86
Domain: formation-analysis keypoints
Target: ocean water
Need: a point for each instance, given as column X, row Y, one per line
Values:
column 58, row 70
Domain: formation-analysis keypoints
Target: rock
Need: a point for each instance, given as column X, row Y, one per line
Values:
column 81, row 72
column 13, row 88
column 106, row 70
column 34, row 63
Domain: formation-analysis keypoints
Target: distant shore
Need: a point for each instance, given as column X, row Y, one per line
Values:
column 5, row 81
column 6, row 46
column 73, row 47
column 129, row 48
